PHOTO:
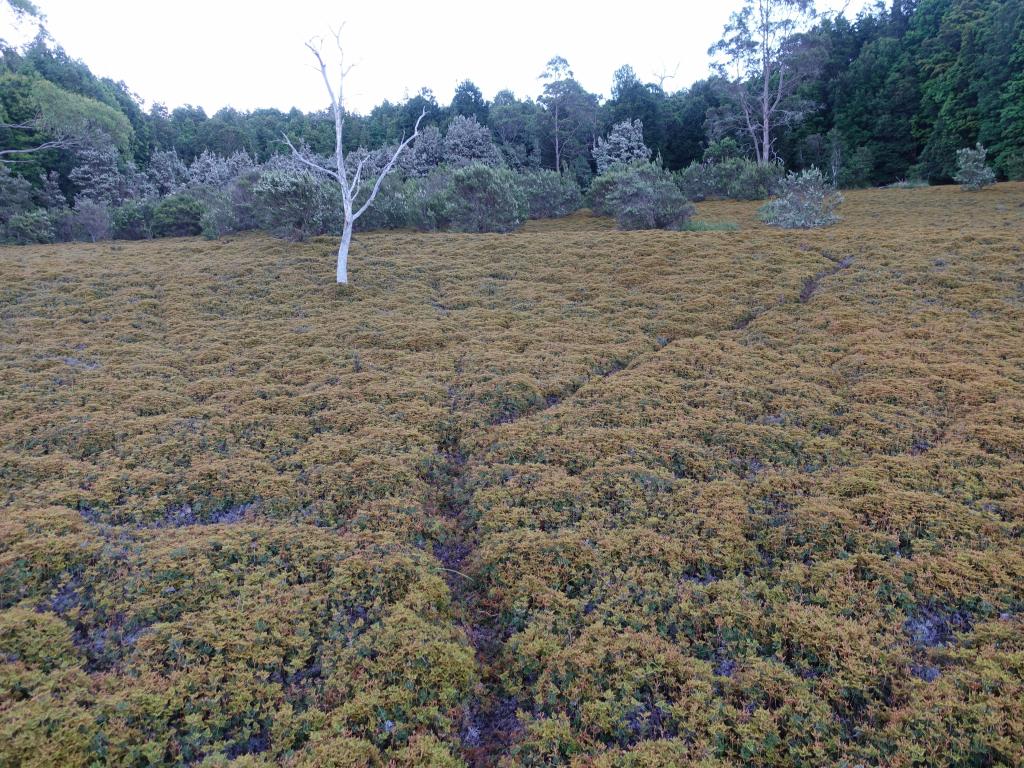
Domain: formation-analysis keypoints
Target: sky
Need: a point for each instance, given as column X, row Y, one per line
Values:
column 213, row 53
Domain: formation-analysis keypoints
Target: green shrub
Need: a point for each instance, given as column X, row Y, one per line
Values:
column 733, row 178
column 30, row 227
column 133, row 221
column 177, row 216
column 90, row 220
column 601, row 188
column 484, row 199
column 806, row 202
column 294, row 203
column 972, row 173
column 640, row 197
column 550, row 195
column 1013, row 166
column 711, row 226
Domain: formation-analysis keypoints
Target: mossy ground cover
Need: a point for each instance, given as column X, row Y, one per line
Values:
column 720, row 498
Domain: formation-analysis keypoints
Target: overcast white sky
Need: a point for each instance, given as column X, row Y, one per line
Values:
column 213, row 53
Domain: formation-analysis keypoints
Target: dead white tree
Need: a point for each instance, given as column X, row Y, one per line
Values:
column 664, row 76
column 349, row 179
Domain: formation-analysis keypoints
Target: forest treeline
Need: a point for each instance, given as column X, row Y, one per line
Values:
column 889, row 95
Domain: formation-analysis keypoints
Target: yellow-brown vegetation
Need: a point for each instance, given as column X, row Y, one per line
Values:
column 714, row 498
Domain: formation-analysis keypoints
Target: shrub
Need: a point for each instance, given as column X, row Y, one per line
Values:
column 90, row 220
column 466, row 142
column 1013, row 166
column 806, row 202
column 177, row 216
column 722, row 150
column 133, row 221
column 391, row 208
column 231, row 207
column 601, row 188
column 30, row 227
column 218, row 217
column 734, row 178
column 972, row 173
column 15, row 196
column 640, row 197
column 424, row 155
column 484, row 199
column 294, row 203
column 550, row 195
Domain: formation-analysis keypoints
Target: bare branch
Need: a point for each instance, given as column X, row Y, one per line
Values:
column 356, row 181
column 387, row 168
column 306, row 161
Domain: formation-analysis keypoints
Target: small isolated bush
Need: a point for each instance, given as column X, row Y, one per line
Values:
column 550, row 195
column 30, row 227
column 807, row 201
column 177, row 216
column 907, row 184
column 640, row 197
column 133, row 221
column 972, row 172
column 711, row 226
column 484, row 199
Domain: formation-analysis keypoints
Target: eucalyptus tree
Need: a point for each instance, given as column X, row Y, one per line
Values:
column 349, row 177
column 571, row 113
column 764, row 58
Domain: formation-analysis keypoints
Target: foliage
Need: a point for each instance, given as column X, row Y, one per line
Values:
column 34, row 226
column 179, row 215
column 646, row 197
column 467, row 142
column 624, row 146
column 568, row 121
column 972, row 172
column 295, row 203
column 91, row 220
column 133, row 220
column 762, row 59
column 425, row 154
column 640, row 197
column 484, row 199
column 16, row 197
column 806, row 201
column 549, row 194
column 731, row 178
column 726, row 501
column 53, row 112
column 167, row 173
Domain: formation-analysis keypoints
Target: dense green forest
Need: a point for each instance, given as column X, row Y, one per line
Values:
column 889, row 95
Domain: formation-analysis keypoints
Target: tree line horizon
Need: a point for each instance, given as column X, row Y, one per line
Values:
column 889, row 95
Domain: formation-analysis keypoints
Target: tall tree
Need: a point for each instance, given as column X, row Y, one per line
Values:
column 571, row 115
column 468, row 101
column 764, row 59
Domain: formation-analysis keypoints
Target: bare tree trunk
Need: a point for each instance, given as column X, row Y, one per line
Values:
column 346, row 240
column 558, row 153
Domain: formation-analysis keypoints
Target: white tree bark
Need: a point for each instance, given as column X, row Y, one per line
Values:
column 350, row 180
column 8, row 155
